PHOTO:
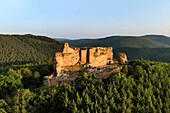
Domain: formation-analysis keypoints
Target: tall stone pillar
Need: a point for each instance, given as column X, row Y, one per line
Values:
column 83, row 56
column 91, row 55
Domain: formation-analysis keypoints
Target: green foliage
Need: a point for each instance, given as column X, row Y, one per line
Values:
column 22, row 101
column 3, row 106
column 141, row 87
column 30, row 79
column 10, row 83
column 21, row 49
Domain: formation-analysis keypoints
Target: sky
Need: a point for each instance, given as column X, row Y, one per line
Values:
column 85, row 18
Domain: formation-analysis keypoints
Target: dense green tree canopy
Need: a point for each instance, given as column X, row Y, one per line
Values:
column 20, row 49
column 141, row 87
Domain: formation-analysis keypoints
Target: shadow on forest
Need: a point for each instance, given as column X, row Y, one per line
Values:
column 15, row 63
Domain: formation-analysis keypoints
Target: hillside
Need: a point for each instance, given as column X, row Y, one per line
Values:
column 17, row 49
column 148, row 41
column 61, row 39
column 151, row 47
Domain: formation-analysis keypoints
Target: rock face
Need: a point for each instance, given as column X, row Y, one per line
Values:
column 94, row 56
column 122, row 58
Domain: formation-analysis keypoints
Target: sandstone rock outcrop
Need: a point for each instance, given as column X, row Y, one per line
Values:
column 122, row 58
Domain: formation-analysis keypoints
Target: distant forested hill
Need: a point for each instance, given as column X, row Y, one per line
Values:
column 18, row 49
column 148, row 41
column 151, row 47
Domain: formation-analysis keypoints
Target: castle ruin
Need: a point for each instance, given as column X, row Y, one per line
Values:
column 92, row 56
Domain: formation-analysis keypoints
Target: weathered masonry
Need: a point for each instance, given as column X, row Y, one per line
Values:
column 93, row 56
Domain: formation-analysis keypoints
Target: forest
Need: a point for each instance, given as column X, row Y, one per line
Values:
column 22, row 49
column 142, row 86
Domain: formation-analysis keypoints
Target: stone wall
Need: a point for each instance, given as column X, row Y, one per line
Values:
column 100, row 56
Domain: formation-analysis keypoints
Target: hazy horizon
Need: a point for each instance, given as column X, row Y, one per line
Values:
column 79, row 37
column 85, row 19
